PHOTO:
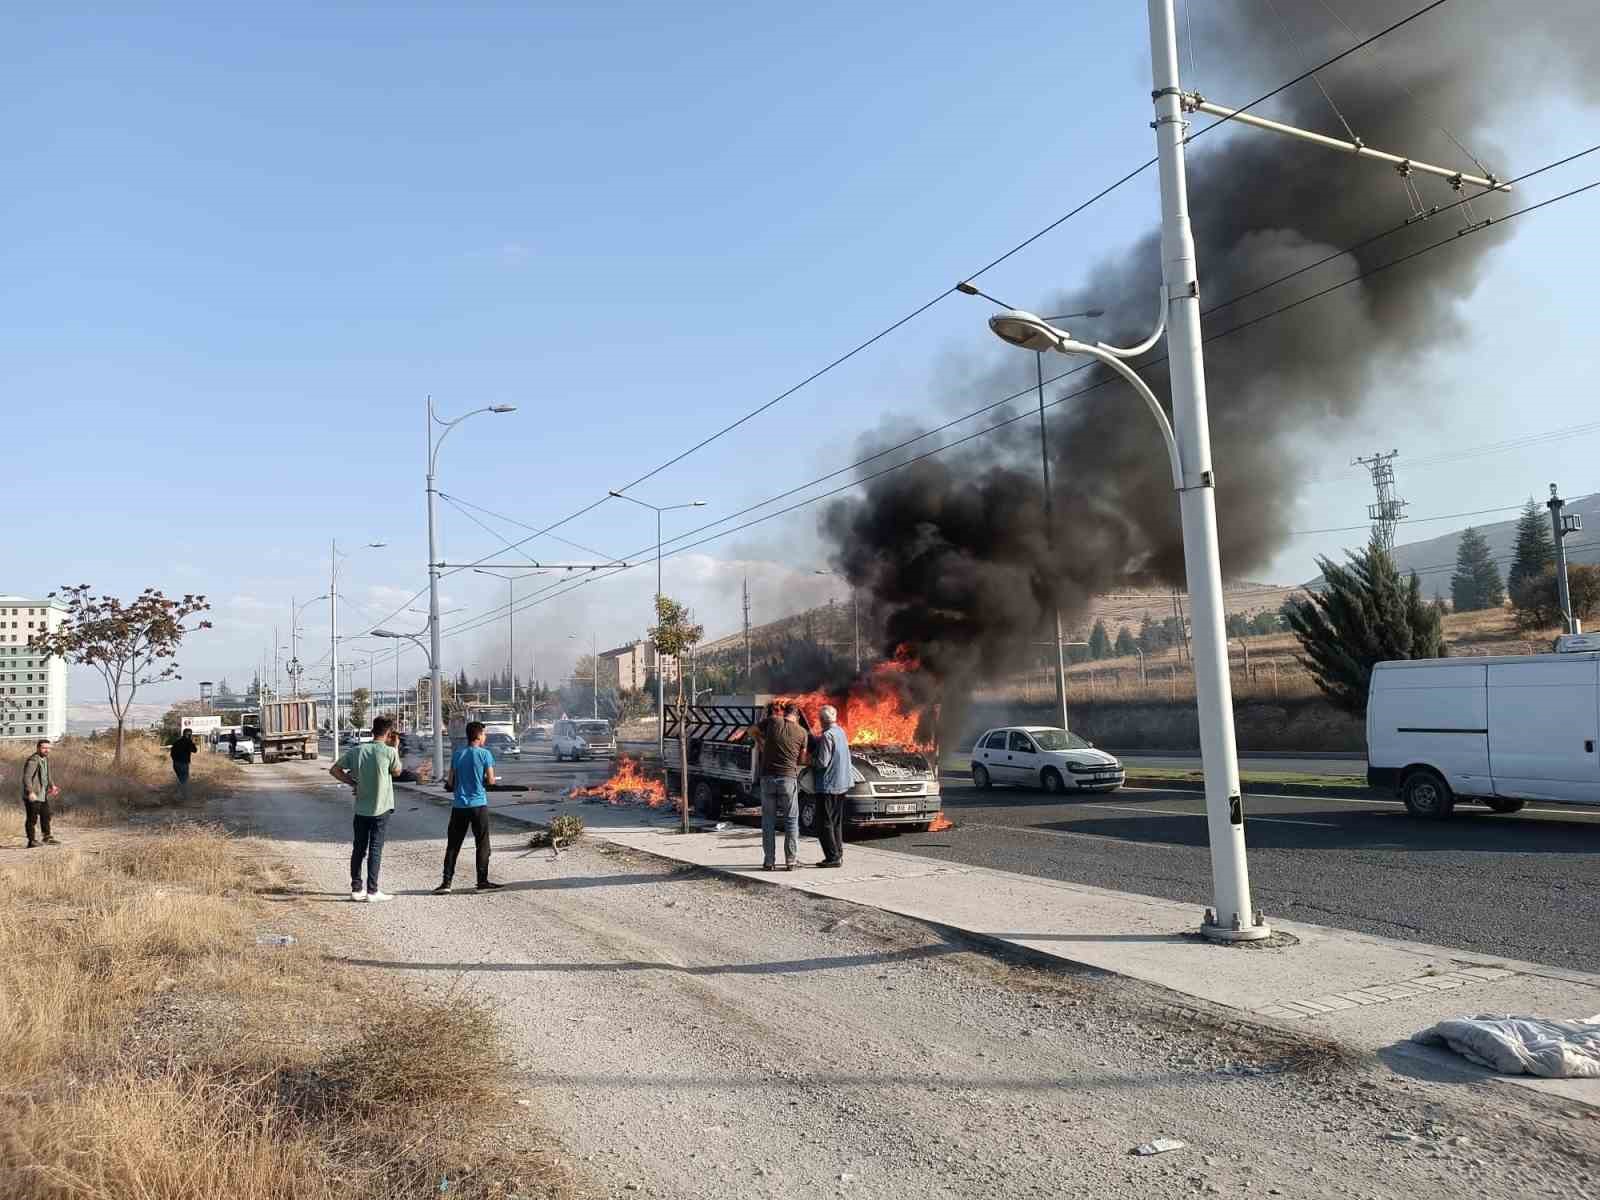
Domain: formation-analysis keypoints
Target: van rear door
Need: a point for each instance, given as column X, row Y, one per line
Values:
column 1544, row 719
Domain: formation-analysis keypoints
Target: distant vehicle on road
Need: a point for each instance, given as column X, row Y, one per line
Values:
column 580, row 739
column 1503, row 729
column 284, row 729
column 1040, row 756
column 503, row 745
column 539, row 731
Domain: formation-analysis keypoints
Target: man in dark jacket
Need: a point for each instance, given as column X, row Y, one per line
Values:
column 36, row 793
column 781, row 744
column 182, row 751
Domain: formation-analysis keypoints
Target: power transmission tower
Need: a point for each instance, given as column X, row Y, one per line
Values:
column 1389, row 510
column 749, row 674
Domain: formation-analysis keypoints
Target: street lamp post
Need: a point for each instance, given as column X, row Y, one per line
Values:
column 594, row 674
column 294, row 638
column 333, row 632
column 661, row 687
column 511, row 626
column 433, row 571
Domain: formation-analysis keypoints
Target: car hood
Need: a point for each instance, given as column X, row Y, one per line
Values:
column 1084, row 758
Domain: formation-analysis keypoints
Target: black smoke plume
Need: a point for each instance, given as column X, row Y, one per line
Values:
column 953, row 549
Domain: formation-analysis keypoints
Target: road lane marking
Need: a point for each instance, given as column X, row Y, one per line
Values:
column 1577, row 811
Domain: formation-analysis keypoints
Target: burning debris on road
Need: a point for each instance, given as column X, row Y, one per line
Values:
column 627, row 785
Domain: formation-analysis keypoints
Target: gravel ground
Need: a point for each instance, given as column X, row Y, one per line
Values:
column 693, row 1036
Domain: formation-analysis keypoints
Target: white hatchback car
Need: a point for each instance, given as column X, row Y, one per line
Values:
column 1039, row 756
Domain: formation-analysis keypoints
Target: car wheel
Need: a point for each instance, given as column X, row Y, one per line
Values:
column 706, row 800
column 1050, row 780
column 980, row 777
column 1502, row 804
column 1427, row 795
column 808, row 815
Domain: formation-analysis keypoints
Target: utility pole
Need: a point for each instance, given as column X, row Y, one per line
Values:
column 1389, row 509
column 333, row 637
column 1561, row 524
column 749, row 674
column 1235, row 918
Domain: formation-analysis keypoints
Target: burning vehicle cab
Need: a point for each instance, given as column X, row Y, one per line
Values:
column 1038, row 756
column 894, row 784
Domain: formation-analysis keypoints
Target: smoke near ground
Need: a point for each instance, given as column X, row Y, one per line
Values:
column 953, row 550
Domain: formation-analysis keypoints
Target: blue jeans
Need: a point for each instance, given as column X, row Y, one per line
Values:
column 369, row 835
column 779, row 794
column 180, row 768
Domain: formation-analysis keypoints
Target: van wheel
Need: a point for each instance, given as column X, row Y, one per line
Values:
column 980, row 777
column 1051, row 780
column 808, row 815
column 706, row 800
column 1427, row 795
column 1501, row 804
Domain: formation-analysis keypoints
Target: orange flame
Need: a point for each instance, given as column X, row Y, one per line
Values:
column 870, row 712
column 940, row 823
column 627, row 785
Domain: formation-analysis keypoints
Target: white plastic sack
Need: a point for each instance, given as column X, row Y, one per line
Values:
column 1522, row 1045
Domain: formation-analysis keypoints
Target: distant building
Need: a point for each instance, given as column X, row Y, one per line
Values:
column 628, row 667
column 33, row 686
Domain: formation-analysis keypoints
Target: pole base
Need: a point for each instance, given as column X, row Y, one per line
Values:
column 1213, row 932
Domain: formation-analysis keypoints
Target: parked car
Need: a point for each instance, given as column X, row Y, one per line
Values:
column 503, row 746
column 1039, row 756
column 1502, row 729
column 539, row 731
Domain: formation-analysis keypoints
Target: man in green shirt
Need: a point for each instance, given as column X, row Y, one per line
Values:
column 370, row 768
column 36, row 792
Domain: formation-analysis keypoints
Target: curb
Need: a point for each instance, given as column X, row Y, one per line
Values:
column 1262, row 788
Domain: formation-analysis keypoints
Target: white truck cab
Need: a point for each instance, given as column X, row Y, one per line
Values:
column 1504, row 729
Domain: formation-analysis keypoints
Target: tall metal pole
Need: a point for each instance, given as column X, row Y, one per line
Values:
column 434, row 689
column 1558, row 527
column 1050, row 542
column 511, row 638
column 855, row 617
column 595, row 635
column 333, row 637
column 661, row 685
column 1235, row 918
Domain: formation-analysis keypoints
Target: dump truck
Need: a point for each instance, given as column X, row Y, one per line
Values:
column 283, row 729
column 894, row 786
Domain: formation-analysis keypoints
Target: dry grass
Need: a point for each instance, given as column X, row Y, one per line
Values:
column 150, row 1048
column 94, row 790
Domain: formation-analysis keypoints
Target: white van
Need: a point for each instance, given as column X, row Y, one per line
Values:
column 1503, row 730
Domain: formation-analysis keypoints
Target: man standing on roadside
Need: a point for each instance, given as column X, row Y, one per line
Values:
column 182, row 751
column 36, row 793
column 471, row 767
column 370, row 768
column 781, row 742
column 830, row 780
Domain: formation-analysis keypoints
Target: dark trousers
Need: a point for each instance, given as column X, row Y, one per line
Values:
column 462, row 819
column 368, row 846
column 37, row 814
column 830, row 825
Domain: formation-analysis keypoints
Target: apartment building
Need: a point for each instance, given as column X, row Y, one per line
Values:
column 628, row 667
column 33, row 686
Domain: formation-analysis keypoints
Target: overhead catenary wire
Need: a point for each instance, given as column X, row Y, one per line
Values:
column 1252, row 322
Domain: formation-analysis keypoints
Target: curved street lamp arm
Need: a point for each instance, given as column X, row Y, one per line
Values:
column 1110, row 358
column 1148, row 344
column 433, row 454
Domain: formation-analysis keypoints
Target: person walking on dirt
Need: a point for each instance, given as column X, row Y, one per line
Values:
column 182, row 751
column 36, row 793
column 471, row 767
column 233, row 742
column 830, row 780
column 370, row 768
column 781, row 740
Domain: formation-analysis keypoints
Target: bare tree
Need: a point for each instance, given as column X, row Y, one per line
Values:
column 675, row 634
column 130, row 645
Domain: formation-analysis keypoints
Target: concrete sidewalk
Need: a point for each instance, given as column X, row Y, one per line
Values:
column 1368, row 992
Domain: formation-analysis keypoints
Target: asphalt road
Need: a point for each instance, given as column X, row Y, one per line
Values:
column 1525, row 886
column 1255, row 762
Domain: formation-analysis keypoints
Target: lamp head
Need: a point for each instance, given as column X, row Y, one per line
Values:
column 502, row 408
column 389, row 633
column 1027, row 331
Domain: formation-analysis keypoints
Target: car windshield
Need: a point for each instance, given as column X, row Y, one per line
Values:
column 594, row 729
column 1057, row 739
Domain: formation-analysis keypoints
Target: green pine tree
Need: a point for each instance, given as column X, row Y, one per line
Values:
column 1365, row 614
column 1126, row 643
column 1476, row 582
column 1099, row 641
column 1534, row 549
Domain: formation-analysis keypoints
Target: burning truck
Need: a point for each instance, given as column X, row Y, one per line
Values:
column 895, row 780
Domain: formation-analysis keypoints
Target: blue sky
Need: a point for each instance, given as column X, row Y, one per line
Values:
column 243, row 246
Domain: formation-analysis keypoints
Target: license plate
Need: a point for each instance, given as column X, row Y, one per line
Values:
column 899, row 808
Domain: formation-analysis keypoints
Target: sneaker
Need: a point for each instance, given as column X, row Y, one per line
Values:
column 378, row 897
column 50, row 841
column 768, row 867
column 831, row 862
column 789, row 866
column 32, row 846
column 358, row 895
column 443, row 889
column 488, row 885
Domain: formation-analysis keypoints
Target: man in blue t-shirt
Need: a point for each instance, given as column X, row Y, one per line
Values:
column 471, row 768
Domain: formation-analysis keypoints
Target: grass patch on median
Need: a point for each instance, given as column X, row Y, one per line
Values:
column 150, row 1048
